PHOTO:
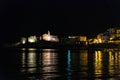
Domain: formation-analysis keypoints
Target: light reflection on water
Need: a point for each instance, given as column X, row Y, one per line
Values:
column 43, row 61
column 54, row 64
column 98, row 63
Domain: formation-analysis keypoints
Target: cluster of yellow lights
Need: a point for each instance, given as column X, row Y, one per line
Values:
column 97, row 40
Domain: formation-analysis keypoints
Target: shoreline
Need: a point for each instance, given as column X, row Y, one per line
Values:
column 54, row 45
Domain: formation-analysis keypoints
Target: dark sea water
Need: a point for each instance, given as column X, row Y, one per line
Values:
column 59, row 64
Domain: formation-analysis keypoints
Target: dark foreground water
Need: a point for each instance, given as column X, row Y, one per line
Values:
column 60, row 64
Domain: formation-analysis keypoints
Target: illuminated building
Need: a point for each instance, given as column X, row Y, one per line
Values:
column 112, row 35
column 32, row 39
column 100, row 38
column 23, row 40
column 45, row 37
column 49, row 37
column 83, row 38
column 78, row 39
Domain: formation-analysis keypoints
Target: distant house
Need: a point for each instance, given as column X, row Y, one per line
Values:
column 78, row 39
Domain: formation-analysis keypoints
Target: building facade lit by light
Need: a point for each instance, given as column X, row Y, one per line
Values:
column 23, row 40
column 111, row 35
column 83, row 38
column 78, row 39
column 49, row 37
column 32, row 39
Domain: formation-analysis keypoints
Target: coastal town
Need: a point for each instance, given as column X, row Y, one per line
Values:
column 110, row 36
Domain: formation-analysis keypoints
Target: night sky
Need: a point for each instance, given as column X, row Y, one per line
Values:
column 62, row 17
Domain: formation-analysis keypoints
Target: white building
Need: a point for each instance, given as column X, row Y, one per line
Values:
column 49, row 37
column 32, row 39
